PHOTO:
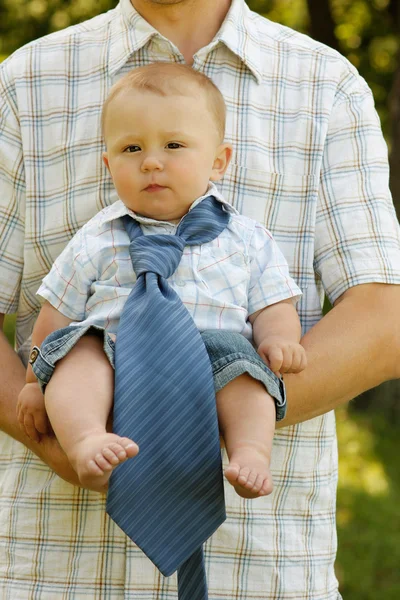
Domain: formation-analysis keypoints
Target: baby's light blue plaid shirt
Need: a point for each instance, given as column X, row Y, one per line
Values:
column 220, row 283
column 310, row 164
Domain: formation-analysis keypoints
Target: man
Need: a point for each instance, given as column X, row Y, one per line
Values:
column 311, row 165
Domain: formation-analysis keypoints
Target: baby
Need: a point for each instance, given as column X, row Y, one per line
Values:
column 164, row 126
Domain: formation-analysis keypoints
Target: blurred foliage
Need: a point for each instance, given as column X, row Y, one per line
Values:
column 24, row 20
column 368, row 516
column 9, row 328
column 365, row 29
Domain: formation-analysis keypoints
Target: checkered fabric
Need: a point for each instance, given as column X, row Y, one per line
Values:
column 310, row 164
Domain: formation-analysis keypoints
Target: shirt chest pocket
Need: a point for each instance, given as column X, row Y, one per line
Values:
column 285, row 203
column 223, row 273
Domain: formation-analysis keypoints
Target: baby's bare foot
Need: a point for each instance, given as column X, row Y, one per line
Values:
column 94, row 458
column 248, row 471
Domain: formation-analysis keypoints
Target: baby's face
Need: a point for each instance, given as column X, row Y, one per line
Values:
column 161, row 151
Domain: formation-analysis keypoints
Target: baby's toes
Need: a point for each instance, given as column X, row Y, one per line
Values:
column 102, row 462
column 231, row 473
column 114, row 453
column 251, row 480
column 266, row 487
column 129, row 447
column 257, row 484
column 243, row 476
column 94, row 469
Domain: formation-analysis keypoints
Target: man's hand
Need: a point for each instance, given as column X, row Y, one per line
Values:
column 31, row 411
column 282, row 356
column 51, row 453
column 12, row 381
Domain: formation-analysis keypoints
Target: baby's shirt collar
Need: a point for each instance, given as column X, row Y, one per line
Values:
column 118, row 210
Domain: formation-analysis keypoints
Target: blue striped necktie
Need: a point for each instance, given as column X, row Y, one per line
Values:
column 169, row 499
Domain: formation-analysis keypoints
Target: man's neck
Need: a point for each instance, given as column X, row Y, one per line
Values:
column 189, row 24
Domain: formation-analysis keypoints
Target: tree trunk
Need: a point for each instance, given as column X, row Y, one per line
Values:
column 384, row 400
column 322, row 26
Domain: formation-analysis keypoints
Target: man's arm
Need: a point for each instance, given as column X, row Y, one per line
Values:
column 355, row 347
column 11, row 382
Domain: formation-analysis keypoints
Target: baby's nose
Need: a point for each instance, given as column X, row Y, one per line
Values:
column 151, row 163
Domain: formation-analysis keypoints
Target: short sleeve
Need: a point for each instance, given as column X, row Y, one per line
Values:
column 12, row 196
column 357, row 232
column 68, row 285
column 270, row 281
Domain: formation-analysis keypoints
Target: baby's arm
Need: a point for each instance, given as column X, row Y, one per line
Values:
column 276, row 333
column 31, row 411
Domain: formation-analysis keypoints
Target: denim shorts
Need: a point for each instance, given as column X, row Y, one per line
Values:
column 231, row 355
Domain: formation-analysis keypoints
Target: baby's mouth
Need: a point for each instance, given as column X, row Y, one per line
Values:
column 154, row 187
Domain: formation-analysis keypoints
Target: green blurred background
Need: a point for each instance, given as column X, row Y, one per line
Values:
column 367, row 32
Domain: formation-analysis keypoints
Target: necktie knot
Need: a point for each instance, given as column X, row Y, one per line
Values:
column 159, row 254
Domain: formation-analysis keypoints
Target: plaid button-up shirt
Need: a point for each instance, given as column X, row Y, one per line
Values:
column 310, row 164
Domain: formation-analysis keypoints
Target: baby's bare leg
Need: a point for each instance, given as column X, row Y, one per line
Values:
column 78, row 400
column 246, row 414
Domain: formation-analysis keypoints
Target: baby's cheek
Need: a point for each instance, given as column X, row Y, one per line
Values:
column 124, row 180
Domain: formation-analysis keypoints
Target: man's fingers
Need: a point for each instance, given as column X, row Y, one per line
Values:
column 30, row 429
column 41, row 422
column 20, row 416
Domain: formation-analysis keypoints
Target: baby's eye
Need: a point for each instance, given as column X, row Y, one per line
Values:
column 132, row 149
column 174, row 145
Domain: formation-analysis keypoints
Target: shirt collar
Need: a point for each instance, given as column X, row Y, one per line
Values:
column 238, row 32
column 129, row 33
column 118, row 210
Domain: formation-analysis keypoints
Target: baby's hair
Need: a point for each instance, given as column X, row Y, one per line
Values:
column 166, row 79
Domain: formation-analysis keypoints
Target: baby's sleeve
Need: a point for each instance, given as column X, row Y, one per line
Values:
column 68, row 284
column 270, row 281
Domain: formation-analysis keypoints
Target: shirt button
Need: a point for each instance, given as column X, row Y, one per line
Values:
column 181, row 283
column 33, row 355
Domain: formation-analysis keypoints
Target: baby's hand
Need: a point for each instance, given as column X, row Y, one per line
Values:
column 283, row 356
column 31, row 411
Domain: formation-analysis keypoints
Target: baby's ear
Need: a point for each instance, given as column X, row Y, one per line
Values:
column 105, row 160
column 222, row 159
